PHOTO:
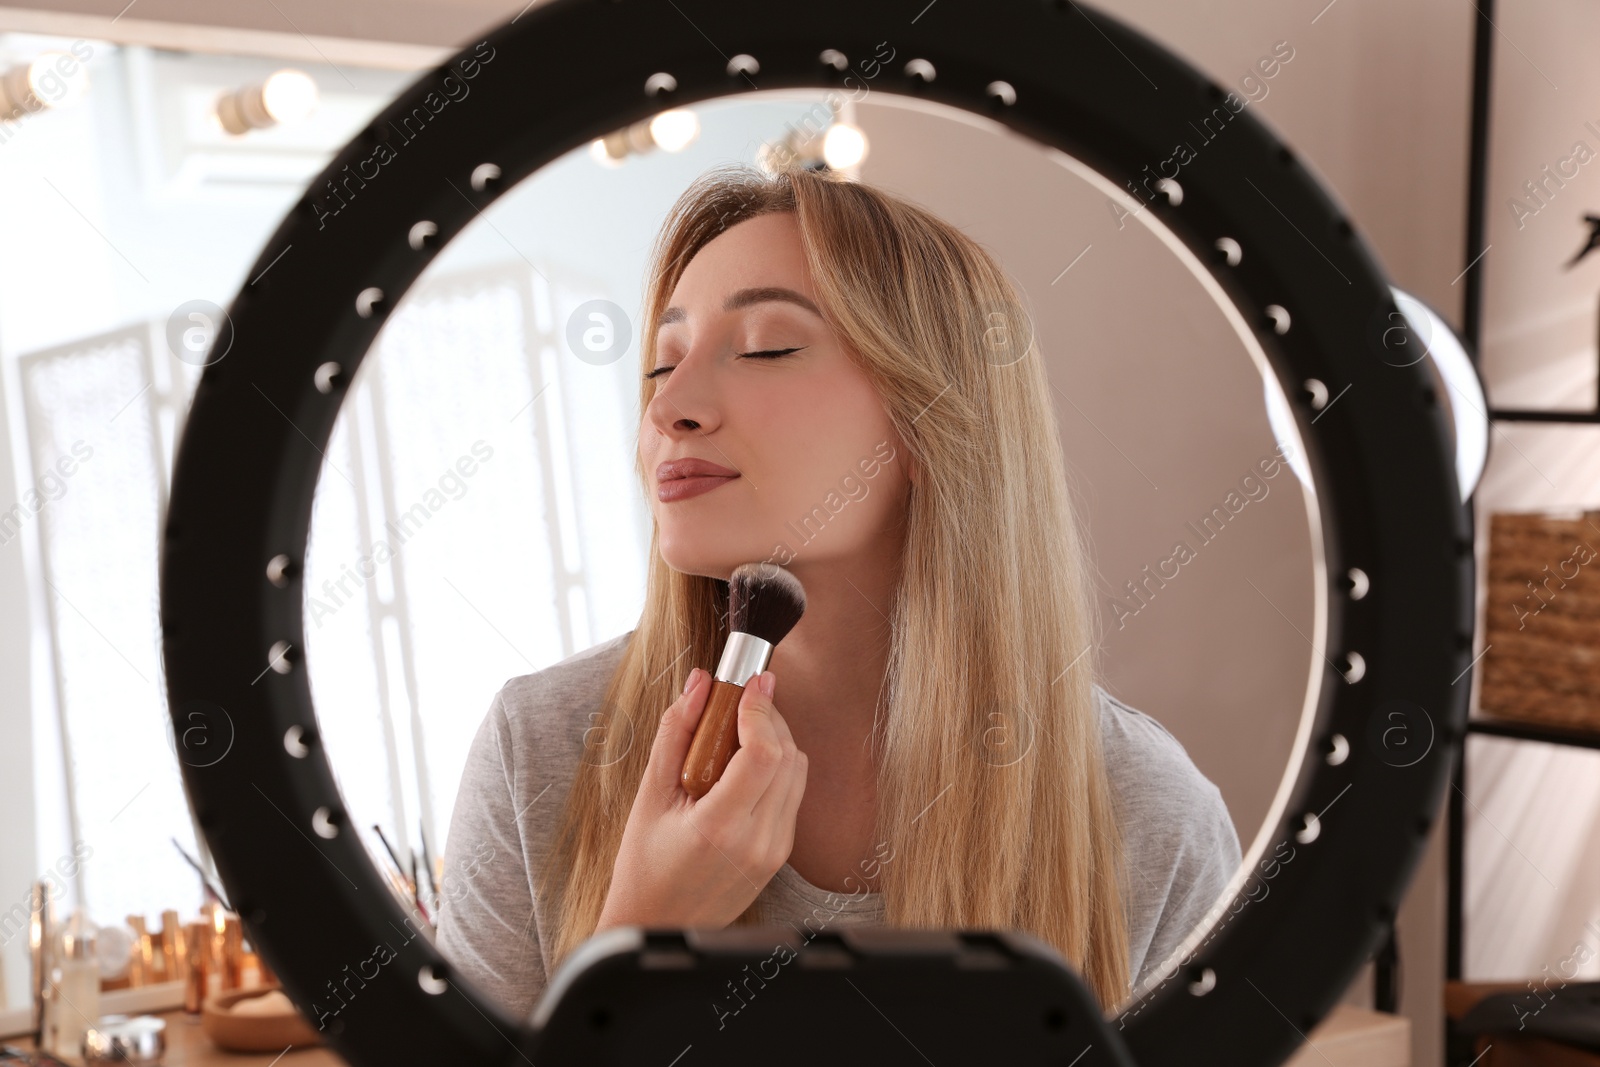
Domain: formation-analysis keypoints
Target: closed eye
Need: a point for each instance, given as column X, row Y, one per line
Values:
column 772, row 353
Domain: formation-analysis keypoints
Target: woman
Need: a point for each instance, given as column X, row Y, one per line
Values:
column 843, row 373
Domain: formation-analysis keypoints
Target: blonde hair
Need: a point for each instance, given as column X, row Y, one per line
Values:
column 993, row 631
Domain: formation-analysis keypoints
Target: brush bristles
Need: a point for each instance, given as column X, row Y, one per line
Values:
column 764, row 600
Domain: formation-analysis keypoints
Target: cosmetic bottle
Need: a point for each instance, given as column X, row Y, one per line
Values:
column 196, row 937
column 214, row 955
column 172, row 947
column 77, row 986
column 41, row 931
column 232, row 952
column 143, row 969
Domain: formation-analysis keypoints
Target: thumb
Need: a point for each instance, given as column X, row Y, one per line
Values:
column 756, row 708
column 677, row 728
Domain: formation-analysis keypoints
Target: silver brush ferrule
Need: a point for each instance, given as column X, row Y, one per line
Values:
column 743, row 657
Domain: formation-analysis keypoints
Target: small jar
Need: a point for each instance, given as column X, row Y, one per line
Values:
column 117, row 1039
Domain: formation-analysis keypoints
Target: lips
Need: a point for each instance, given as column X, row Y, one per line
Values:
column 679, row 479
column 694, row 485
column 691, row 467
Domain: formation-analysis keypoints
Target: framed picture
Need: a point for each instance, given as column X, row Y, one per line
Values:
column 1533, row 300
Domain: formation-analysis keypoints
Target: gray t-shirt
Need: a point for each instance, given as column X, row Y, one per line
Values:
column 1178, row 839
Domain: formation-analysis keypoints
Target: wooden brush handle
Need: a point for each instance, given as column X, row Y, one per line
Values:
column 716, row 738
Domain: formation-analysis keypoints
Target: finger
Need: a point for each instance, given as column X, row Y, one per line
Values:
column 770, row 808
column 755, row 762
column 778, row 809
column 779, row 722
column 676, row 731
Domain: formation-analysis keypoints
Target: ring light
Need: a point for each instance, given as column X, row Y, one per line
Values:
column 1397, row 543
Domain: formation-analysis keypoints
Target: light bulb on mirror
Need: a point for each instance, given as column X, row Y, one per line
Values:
column 1461, row 389
column 840, row 146
column 286, row 96
column 289, row 96
column 600, row 150
column 49, row 80
column 670, row 131
column 843, row 146
column 674, row 130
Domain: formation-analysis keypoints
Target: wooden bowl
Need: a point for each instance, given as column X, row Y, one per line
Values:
column 237, row 1032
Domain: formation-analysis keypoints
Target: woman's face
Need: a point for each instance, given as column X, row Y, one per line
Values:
column 817, row 470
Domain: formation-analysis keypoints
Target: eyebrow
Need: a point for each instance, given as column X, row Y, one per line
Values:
column 744, row 298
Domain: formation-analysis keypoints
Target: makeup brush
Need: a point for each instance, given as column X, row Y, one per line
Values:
column 205, row 882
column 393, row 855
column 427, row 861
column 399, row 868
column 764, row 603
column 416, row 891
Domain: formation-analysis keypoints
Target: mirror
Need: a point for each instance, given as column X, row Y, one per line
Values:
column 478, row 518
column 140, row 246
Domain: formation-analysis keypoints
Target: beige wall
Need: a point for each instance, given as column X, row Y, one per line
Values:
column 1161, row 415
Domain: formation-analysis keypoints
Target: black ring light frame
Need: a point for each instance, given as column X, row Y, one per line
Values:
column 1397, row 541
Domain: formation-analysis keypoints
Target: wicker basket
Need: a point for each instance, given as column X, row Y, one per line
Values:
column 1542, row 620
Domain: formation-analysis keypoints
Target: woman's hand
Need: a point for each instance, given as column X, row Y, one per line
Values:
column 686, row 862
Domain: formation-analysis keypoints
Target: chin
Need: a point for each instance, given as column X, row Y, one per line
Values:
column 698, row 561
column 721, row 574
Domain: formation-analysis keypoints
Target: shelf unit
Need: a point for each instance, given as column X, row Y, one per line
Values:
column 1472, row 308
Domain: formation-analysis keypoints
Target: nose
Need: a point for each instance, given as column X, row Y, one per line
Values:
column 685, row 401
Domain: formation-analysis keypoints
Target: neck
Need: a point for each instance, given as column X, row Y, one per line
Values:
column 830, row 667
